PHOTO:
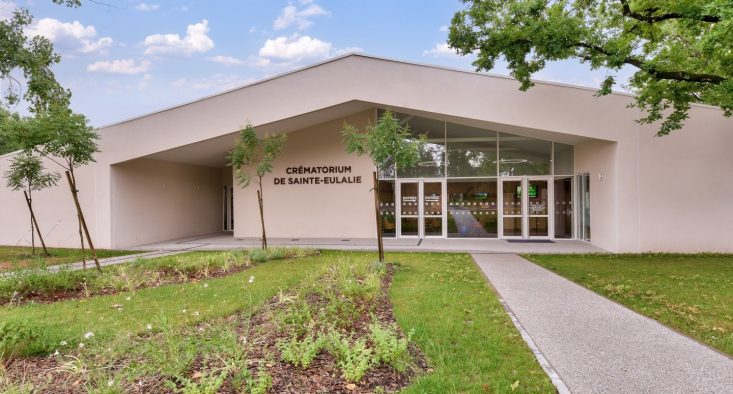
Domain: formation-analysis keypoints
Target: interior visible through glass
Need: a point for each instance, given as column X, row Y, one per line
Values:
column 387, row 208
column 512, row 209
column 563, row 207
column 472, row 209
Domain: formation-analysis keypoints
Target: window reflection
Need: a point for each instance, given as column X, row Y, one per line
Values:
column 471, row 151
column 472, row 209
column 523, row 156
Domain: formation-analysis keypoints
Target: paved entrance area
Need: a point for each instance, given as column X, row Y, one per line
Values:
column 227, row 241
column 596, row 345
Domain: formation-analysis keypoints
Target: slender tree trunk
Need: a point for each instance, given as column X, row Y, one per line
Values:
column 33, row 238
column 29, row 201
column 262, row 215
column 81, row 240
column 380, row 245
column 74, row 193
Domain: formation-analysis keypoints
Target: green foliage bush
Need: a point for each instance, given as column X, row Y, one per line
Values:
column 353, row 359
column 301, row 352
column 389, row 347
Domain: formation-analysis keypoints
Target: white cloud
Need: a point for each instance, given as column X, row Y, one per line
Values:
column 252, row 29
column 145, row 7
column 440, row 50
column 122, row 66
column 444, row 28
column 184, row 8
column 227, row 60
column 295, row 48
column 70, row 36
column 300, row 17
column 196, row 40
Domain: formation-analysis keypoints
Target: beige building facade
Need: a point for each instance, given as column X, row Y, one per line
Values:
column 551, row 163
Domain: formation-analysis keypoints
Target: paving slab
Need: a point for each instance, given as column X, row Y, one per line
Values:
column 598, row 346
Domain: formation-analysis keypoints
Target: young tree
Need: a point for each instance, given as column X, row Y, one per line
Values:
column 66, row 139
column 255, row 154
column 27, row 173
column 682, row 50
column 390, row 145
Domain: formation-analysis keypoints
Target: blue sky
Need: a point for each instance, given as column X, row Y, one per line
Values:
column 131, row 57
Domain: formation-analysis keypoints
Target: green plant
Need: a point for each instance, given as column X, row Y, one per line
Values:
column 296, row 317
column 208, row 383
column 301, row 352
column 16, row 338
column 389, row 347
column 258, row 153
column 261, row 384
column 354, row 360
column 258, row 255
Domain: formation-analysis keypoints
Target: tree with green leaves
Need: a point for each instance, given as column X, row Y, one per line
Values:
column 31, row 57
column 26, row 173
column 253, row 157
column 65, row 138
column 390, row 145
column 682, row 50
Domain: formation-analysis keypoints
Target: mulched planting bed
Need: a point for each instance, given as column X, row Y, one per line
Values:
column 251, row 356
column 118, row 280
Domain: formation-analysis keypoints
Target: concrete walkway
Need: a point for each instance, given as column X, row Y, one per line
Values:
column 596, row 345
column 226, row 241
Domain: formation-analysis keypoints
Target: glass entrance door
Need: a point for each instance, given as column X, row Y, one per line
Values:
column 512, row 208
column 421, row 208
column 525, row 207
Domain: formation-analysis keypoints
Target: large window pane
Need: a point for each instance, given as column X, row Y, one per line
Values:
column 471, row 151
column 563, row 159
column 432, row 157
column 387, row 208
column 472, row 209
column 523, row 155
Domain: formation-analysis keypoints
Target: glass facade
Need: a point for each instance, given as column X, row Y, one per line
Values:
column 472, row 209
column 469, row 180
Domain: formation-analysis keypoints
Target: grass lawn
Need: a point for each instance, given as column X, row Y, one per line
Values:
column 458, row 322
column 18, row 257
column 461, row 327
column 691, row 293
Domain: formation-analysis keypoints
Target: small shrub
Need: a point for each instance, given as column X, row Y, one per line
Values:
column 389, row 347
column 354, row 360
column 301, row 352
column 276, row 253
column 258, row 255
column 16, row 339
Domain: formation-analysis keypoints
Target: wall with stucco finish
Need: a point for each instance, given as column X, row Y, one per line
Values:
column 156, row 201
column 686, row 186
column 307, row 211
column 54, row 209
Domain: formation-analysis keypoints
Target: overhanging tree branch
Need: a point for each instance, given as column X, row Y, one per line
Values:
column 656, row 73
column 648, row 16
